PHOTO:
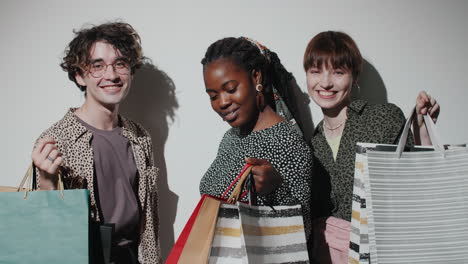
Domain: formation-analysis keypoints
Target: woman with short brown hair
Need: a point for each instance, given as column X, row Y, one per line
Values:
column 332, row 62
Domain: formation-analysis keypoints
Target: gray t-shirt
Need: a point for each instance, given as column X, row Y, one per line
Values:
column 116, row 176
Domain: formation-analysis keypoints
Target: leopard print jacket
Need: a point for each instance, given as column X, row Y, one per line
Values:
column 333, row 180
column 74, row 142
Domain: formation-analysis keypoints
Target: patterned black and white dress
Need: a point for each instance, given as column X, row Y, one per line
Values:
column 283, row 147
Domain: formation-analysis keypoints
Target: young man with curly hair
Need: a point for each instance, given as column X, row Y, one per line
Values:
column 94, row 147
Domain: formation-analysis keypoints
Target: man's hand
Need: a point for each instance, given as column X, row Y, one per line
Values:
column 266, row 178
column 47, row 159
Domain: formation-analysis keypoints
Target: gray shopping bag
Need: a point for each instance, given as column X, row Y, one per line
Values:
column 410, row 206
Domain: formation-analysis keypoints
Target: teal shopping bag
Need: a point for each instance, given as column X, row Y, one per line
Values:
column 44, row 226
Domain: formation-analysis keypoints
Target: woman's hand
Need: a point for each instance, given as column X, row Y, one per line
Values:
column 425, row 104
column 266, row 177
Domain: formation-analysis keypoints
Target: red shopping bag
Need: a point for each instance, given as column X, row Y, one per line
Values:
column 194, row 242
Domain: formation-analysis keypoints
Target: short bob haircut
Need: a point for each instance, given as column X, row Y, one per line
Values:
column 118, row 34
column 336, row 48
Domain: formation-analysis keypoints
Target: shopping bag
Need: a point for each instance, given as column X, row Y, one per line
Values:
column 214, row 232
column 44, row 226
column 226, row 246
column 258, row 234
column 359, row 237
column 194, row 243
column 410, row 206
column 273, row 235
column 10, row 189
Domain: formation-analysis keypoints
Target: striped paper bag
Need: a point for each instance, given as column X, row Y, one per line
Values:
column 416, row 203
column 273, row 235
column 226, row 246
column 259, row 234
column 359, row 237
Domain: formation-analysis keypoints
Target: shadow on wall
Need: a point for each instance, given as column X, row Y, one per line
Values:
column 372, row 88
column 152, row 102
column 302, row 101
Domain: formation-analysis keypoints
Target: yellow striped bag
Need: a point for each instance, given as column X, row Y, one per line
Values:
column 359, row 252
column 259, row 234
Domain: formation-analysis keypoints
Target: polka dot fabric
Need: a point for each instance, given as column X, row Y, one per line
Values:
column 283, row 147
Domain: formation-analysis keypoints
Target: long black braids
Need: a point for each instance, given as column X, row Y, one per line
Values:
column 251, row 55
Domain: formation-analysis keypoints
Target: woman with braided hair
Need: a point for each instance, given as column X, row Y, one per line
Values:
column 246, row 84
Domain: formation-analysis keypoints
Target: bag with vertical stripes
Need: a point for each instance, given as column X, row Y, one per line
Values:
column 410, row 206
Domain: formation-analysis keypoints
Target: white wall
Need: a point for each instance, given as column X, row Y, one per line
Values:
column 410, row 45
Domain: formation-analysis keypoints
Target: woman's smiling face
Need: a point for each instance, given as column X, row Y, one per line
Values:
column 329, row 87
column 231, row 91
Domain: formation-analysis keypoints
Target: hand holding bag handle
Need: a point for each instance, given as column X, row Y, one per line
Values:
column 28, row 177
column 234, row 197
column 203, row 218
column 431, row 129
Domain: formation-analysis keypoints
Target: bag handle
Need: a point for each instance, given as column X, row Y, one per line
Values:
column 234, row 197
column 431, row 129
column 223, row 196
column 28, row 177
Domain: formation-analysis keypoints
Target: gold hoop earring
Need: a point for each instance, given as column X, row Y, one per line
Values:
column 259, row 87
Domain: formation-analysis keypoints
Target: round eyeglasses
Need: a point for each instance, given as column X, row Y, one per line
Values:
column 98, row 68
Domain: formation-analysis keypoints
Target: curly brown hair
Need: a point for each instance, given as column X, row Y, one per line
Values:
column 120, row 35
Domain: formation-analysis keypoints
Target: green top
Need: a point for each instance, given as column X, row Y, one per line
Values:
column 333, row 179
column 334, row 144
